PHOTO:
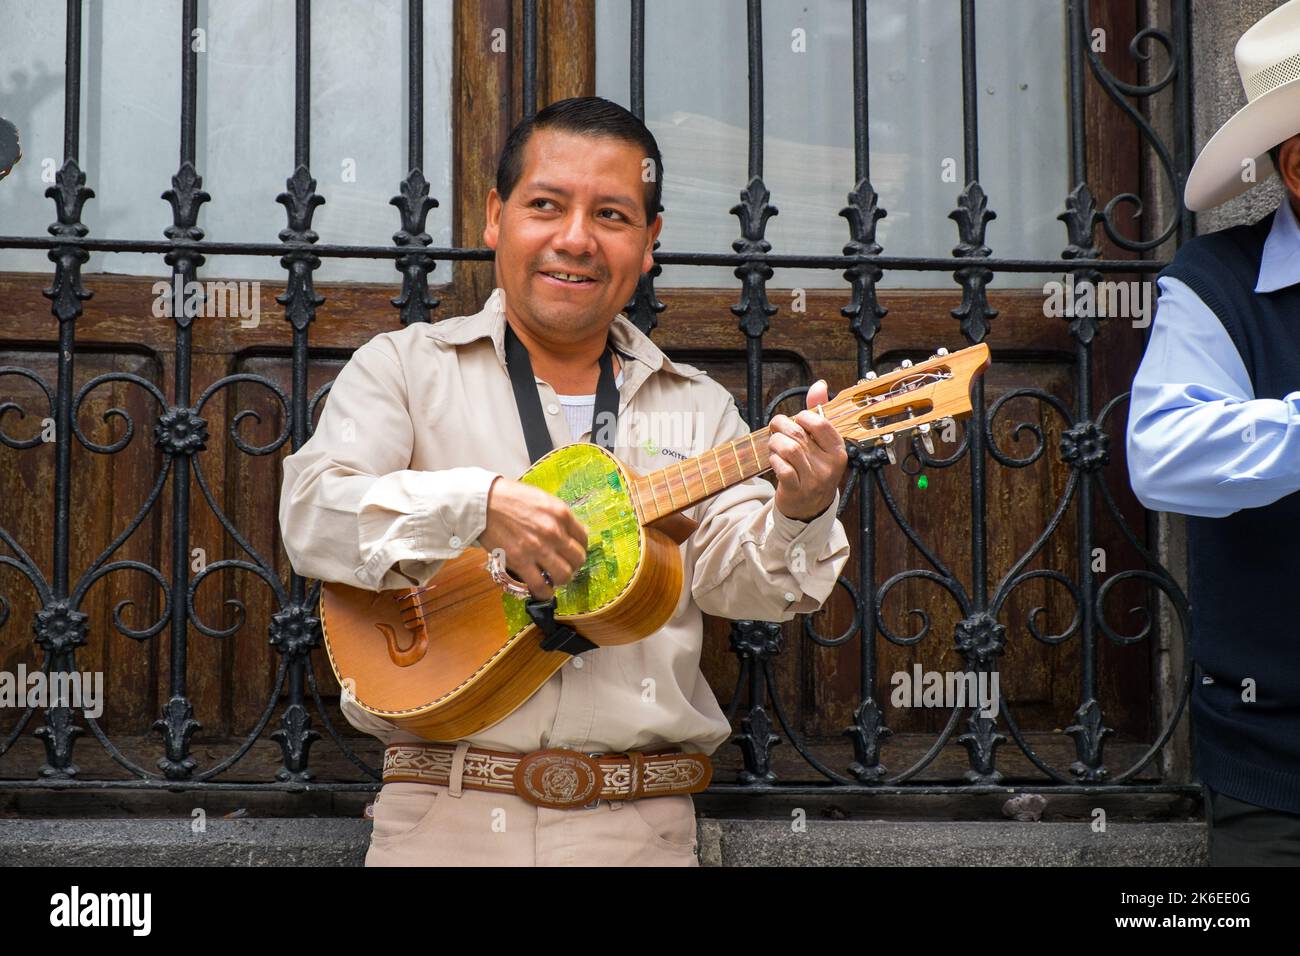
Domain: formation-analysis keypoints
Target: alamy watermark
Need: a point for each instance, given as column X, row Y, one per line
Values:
column 1109, row 299
column 131, row 910
column 947, row 689
column 83, row 691
column 211, row 299
column 657, row 432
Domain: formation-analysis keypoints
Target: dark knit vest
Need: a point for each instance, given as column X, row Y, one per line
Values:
column 1244, row 570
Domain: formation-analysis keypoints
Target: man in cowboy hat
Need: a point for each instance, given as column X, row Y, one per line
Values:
column 1214, row 433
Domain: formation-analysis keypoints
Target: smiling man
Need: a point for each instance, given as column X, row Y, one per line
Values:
column 412, row 463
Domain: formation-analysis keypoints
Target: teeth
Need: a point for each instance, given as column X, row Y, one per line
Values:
column 567, row 277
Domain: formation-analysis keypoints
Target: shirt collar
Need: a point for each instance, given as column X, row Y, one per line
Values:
column 490, row 322
column 1279, row 266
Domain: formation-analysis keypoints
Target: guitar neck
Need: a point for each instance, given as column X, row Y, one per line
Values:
column 879, row 408
column 689, row 482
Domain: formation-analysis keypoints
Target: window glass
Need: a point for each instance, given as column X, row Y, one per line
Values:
column 697, row 107
column 130, row 133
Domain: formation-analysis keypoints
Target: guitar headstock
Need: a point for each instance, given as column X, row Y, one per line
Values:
column 913, row 397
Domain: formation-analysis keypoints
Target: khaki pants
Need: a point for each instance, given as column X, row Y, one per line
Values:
column 421, row 824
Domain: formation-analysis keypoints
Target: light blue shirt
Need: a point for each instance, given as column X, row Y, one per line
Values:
column 1199, row 441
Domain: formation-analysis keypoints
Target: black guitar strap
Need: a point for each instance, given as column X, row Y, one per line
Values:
column 557, row 636
column 536, row 434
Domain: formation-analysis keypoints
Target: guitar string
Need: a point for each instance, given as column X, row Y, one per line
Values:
column 854, row 407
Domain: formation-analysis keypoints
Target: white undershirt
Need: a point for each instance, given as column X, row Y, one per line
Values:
column 579, row 410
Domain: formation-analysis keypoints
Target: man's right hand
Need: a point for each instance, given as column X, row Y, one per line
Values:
column 536, row 532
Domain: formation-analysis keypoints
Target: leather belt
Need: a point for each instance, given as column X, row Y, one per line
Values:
column 556, row 777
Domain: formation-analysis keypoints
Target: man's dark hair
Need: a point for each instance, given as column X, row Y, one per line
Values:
column 584, row 116
column 1275, row 154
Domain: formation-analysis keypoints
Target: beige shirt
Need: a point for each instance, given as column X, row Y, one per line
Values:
column 395, row 479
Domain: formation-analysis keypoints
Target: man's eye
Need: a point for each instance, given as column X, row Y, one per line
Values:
column 615, row 212
column 536, row 201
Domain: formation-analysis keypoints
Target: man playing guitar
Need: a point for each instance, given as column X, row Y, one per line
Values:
column 412, row 463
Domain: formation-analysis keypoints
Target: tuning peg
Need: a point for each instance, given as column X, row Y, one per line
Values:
column 888, row 442
column 906, row 363
column 867, row 378
column 941, row 352
column 924, row 430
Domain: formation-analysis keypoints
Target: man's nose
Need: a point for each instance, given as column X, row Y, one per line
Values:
column 575, row 235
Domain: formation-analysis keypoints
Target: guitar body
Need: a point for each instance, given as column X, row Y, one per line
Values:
column 460, row 654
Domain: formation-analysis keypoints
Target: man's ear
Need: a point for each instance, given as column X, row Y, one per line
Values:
column 492, row 218
column 648, row 261
column 1288, row 166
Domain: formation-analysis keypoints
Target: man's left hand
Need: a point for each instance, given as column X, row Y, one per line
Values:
column 808, row 458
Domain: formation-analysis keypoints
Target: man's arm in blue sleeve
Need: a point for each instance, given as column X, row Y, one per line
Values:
column 1199, row 442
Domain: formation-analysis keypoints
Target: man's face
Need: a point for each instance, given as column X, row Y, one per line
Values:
column 1288, row 168
column 578, row 208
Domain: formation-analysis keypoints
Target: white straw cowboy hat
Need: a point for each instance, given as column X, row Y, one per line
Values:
column 1268, row 59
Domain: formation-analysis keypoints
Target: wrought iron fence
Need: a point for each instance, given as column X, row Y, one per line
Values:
column 180, row 428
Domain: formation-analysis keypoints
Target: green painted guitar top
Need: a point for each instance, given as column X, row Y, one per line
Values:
column 590, row 481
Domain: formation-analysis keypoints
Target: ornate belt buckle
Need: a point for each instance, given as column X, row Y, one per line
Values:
column 558, row 778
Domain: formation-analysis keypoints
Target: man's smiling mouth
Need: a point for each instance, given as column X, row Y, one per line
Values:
column 569, row 278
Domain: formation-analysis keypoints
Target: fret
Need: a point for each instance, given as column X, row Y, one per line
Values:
column 703, row 480
column 757, row 461
column 668, row 483
column 654, row 496
column 686, row 489
column 737, row 454
column 722, row 472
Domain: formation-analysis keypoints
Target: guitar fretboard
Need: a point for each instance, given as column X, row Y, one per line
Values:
column 685, row 483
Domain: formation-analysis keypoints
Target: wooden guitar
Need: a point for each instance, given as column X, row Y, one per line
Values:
column 446, row 660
